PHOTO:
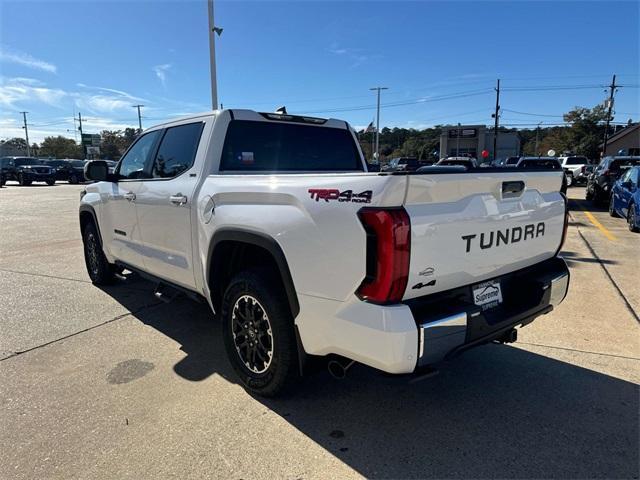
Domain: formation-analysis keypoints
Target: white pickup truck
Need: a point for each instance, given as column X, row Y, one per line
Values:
column 306, row 257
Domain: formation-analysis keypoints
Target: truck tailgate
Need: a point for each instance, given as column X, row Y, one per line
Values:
column 470, row 227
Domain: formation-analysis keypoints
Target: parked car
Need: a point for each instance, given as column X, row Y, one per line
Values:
column 407, row 164
column 572, row 166
column 625, row 198
column 7, row 168
column 68, row 169
column 506, row 162
column 582, row 176
column 26, row 170
column 230, row 206
column 544, row 163
column 605, row 175
column 468, row 162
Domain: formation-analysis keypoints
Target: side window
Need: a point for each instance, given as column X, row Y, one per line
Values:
column 177, row 150
column 133, row 164
column 635, row 176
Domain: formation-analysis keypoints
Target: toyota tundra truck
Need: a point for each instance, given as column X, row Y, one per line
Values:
column 306, row 257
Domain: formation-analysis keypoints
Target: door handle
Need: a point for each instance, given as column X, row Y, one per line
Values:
column 130, row 196
column 178, row 199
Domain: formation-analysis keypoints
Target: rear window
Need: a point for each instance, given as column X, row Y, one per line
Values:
column 576, row 161
column 542, row 164
column 270, row 146
column 78, row 163
column 624, row 163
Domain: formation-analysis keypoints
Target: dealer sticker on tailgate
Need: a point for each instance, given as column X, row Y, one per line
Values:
column 487, row 294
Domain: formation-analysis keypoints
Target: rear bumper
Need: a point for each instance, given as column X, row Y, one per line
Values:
column 528, row 294
column 427, row 330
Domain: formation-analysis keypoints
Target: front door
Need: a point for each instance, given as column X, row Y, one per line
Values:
column 119, row 225
column 165, row 203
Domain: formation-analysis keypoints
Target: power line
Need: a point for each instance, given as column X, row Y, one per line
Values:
column 531, row 114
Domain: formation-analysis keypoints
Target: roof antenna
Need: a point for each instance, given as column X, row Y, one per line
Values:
column 281, row 110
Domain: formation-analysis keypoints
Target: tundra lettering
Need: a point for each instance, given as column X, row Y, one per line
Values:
column 502, row 236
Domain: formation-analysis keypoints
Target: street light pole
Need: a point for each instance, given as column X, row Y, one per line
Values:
column 26, row 132
column 458, row 141
column 212, row 57
column 378, row 122
column 139, row 117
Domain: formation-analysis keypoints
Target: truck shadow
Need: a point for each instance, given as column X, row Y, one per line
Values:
column 496, row 411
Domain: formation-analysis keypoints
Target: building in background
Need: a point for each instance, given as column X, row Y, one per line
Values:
column 473, row 139
column 624, row 142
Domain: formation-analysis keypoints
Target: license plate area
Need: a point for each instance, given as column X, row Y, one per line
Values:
column 487, row 295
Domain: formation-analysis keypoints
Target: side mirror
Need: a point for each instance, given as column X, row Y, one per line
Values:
column 96, row 170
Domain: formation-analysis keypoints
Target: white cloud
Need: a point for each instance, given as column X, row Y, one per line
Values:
column 21, row 90
column 26, row 60
column 161, row 72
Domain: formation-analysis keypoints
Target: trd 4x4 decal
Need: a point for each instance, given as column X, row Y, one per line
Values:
column 327, row 194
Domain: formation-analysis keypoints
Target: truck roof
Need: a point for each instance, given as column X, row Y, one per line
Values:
column 245, row 114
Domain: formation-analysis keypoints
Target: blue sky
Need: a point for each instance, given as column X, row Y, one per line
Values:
column 440, row 60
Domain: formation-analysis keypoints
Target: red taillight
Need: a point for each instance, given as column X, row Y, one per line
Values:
column 388, row 252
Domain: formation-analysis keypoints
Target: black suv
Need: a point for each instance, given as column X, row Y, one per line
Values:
column 68, row 170
column 26, row 170
column 605, row 175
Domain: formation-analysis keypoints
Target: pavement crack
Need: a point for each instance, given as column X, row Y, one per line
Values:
column 577, row 350
column 606, row 271
column 115, row 319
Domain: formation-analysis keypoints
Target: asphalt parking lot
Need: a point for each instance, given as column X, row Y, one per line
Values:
column 111, row 383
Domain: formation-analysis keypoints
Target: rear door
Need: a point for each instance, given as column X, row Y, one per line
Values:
column 165, row 201
column 119, row 222
column 469, row 227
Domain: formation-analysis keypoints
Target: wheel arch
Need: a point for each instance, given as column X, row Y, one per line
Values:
column 227, row 241
column 88, row 214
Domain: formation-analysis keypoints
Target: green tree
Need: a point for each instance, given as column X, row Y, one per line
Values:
column 60, row 147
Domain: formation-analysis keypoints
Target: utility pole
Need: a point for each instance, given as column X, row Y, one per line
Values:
column 84, row 150
column 26, row 132
column 612, row 91
column 537, row 134
column 378, row 122
column 496, row 115
column 458, row 141
column 139, row 118
column 213, row 30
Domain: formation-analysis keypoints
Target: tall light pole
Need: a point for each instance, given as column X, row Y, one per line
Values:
column 458, row 141
column 496, row 115
column 26, row 132
column 139, row 117
column 378, row 122
column 213, row 30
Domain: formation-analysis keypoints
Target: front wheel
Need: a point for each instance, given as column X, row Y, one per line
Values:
column 23, row 181
column 100, row 271
column 258, row 333
column 73, row 179
column 632, row 219
column 51, row 182
column 612, row 209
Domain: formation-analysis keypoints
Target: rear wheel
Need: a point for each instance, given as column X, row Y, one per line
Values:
column 588, row 195
column 99, row 269
column 632, row 218
column 258, row 333
column 51, row 182
column 73, row 179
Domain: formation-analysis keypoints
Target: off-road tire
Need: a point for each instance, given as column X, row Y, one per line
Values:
column 612, row 210
column 100, row 271
column 282, row 371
